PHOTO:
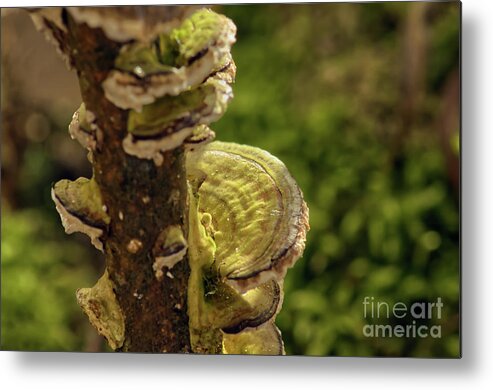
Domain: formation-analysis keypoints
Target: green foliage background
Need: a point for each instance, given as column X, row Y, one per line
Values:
column 319, row 86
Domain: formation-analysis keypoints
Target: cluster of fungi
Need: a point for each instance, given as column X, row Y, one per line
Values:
column 197, row 234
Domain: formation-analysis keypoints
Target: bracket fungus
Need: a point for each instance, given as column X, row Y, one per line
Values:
column 101, row 306
column 84, row 130
column 166, row 123
column 228, row 220
column 201, row 135
column 258, row 211
column 248, row 223
column 172, row 63
column 169, row 249
column 81, row 209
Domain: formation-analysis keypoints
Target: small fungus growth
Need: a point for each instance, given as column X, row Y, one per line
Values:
column 80, row 207
column 134, row 245
column 101, row 306
column 169, row 249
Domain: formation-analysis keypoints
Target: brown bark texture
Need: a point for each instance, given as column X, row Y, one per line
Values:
column 142, row 199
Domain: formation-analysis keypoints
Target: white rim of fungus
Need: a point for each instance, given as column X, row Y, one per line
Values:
column 83, row 137
column 121, row 29
column 151, row 149
column 126, row 90
column 53, row 14
column 73, row 224
column 168, row 261
column 218, row 100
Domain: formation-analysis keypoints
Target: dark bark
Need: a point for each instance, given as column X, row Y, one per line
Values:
column 142, row 199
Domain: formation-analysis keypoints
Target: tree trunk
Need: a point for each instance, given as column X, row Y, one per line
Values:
column 142, row 199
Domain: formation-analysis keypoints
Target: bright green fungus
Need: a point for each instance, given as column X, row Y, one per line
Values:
column 169, row 52
column 143, row 59
column 171, row 113
column 247, row 226
column 80, row 207
column 215, row 309
column 204, row 29
column 182, row 80
column 257, row 210
column 166, row 123
column 172, row 63
column 82, row 199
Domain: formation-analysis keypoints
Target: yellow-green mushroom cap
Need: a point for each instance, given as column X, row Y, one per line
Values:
column 214, row 305
column 173, row 63
column 201, row 105
column 259, row 217
column 80, row 207
column 166, row 123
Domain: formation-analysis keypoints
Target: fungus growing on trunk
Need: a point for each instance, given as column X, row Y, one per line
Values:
column 83, row 129
column 173, row 63
column 123, row 24
column 101, row 306
column 169, row 249
column 81, row 209
column 166, row 123
column 248, row 223
column 260, row 219
column 222, row 221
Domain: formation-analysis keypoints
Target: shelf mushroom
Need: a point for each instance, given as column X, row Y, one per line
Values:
column 172, row 63
column 248, row 224
column 166, row 123
column 81, row 209
column 101, row 307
